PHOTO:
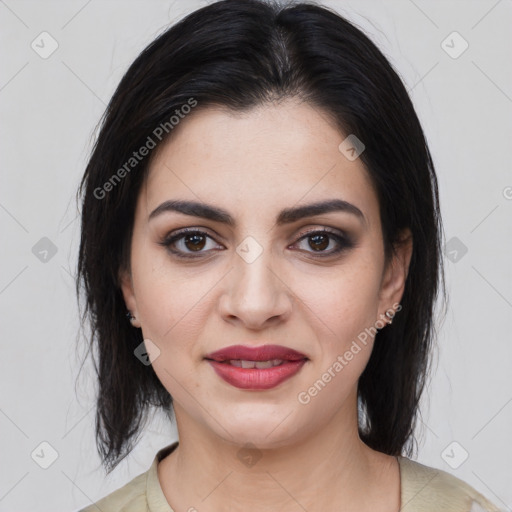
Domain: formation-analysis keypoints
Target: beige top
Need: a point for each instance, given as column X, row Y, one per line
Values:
column 423, row 489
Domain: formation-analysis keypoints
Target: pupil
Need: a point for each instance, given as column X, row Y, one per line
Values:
column 324, row 245
column 196, row 239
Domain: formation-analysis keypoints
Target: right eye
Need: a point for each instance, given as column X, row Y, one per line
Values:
column 186, row 242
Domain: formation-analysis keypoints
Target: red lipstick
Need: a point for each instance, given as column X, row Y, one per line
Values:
column 256, row 368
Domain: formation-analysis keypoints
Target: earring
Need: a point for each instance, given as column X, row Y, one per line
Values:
column 130, row 316
column 390, row 316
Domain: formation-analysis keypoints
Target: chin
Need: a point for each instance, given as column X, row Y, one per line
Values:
column 266, row 431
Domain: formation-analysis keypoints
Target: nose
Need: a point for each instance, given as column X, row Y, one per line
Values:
column 257, row 293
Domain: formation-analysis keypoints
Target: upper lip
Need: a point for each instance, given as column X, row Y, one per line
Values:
column 261, row 353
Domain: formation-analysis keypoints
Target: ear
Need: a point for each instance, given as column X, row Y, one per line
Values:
column 395, row 274
column 126, row 284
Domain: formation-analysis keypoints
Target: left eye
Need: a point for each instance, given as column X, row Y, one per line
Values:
column 319, row 241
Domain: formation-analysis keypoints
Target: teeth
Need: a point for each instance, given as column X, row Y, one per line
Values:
column 261, row 365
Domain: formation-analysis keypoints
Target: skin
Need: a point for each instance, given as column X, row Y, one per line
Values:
column 254, row 165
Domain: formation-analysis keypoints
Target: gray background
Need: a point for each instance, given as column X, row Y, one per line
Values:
column 49, row 108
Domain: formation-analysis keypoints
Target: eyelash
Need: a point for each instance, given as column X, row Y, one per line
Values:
column 344, row 242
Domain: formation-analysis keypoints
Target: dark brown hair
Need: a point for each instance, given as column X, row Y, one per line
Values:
column 239, row 54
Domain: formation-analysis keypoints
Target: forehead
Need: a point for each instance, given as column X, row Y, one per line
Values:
column 272, row 156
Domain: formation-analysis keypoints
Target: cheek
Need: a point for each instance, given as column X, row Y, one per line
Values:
column 343, row 316
column 172, row 304
column 345, row 300
column 343, row 310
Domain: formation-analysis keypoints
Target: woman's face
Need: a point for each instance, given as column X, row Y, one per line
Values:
column 259, row 280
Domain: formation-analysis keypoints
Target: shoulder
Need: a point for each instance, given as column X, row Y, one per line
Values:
column 129, row 498
column 142, row 493
column 425, row 489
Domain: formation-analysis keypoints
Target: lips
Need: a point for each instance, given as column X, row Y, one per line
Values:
column 256, row 368
column 261, row 353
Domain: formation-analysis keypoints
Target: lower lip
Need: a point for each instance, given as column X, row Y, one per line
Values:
column 255, row 378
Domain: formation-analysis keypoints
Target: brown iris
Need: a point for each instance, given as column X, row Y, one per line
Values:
column 198, row 242
column 319, row 242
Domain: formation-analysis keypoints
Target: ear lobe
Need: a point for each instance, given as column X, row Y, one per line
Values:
column 395, row 275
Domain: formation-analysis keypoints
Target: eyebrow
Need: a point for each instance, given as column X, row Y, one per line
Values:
column 286, row 216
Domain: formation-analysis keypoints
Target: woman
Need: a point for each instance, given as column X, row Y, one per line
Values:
column 262, row 205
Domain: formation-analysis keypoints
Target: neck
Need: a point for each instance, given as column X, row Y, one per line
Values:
column 331, row 469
